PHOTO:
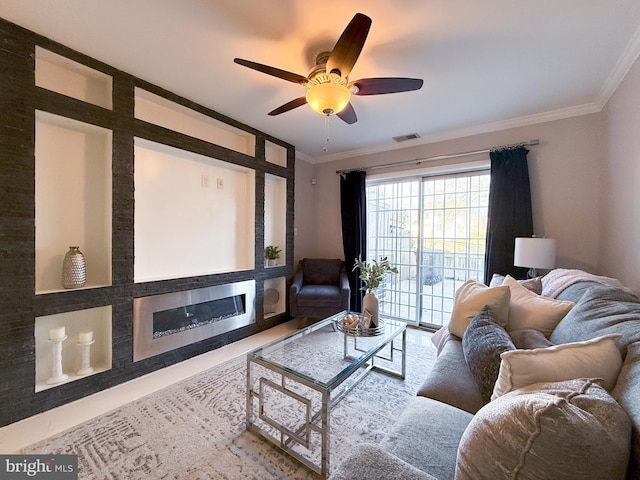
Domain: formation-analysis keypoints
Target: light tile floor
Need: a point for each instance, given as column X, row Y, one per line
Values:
column 18, row 435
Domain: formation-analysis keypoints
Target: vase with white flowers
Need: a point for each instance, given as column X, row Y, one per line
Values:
column 372, row 274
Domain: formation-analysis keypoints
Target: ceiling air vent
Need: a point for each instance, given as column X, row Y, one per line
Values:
column 404, row 138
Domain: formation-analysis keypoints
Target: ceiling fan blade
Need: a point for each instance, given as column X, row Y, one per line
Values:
column 349, row 45
column 348, row 114
column 289, row 106
column 275, row 72
column 380, row 86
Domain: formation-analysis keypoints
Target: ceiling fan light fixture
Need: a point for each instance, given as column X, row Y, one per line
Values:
column 328, row 98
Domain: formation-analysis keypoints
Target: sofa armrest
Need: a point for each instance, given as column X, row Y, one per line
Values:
column 370, row 462
column 294, row 289
column 345, row 289
column 296, row 285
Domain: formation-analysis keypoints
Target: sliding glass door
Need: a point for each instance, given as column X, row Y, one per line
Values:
column 433, row 229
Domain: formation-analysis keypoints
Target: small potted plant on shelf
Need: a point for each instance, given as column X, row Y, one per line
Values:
column 272, row 253
column 372, row 273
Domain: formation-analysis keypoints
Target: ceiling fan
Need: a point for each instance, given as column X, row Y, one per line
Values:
column 328, row 87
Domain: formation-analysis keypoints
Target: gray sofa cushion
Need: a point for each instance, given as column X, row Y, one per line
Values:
column 450, row 380
column 427, row 435
column 557, row 431
column 627, row 393
column 369, row 462
column 601, row 311
column 483, row 342
column 319, row 296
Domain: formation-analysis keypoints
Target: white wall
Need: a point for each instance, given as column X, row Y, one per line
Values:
column 305, row 224
column 186, row 228
column 620, row 183
column 564, row 183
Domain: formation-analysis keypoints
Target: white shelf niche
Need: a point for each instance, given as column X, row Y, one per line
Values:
column 165, row 113
column 73, row 199
column 275, row 214
column 194, row 215
column 276, row 154
column 59, row 74
column 275, row 296
column 97, row 320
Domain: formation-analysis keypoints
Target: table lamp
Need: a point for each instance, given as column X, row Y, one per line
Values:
column 534, row 253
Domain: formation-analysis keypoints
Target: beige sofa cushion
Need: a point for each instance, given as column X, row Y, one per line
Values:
column 470, row 298
column 529, row 310
column 557, row 431
column 597, row 358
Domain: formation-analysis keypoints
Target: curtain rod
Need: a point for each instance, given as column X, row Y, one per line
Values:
column 418, row 161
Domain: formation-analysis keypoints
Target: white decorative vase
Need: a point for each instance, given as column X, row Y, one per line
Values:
column 370, row 305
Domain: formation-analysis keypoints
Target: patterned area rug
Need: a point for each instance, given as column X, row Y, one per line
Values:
column 195, row 429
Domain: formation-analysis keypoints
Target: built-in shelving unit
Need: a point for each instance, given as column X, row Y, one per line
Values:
column 276, row 154
column 73, row 199
column 194, row 215
column 275, row 296
column 275, row 214
column 73, row 79
column 94, row 320
column 161, row 195
column 165, row 113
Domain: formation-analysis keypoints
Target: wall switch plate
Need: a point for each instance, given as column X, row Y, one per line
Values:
column 220, row 183
column 204, row 181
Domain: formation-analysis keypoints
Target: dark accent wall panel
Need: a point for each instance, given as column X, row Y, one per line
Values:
column 19, row 305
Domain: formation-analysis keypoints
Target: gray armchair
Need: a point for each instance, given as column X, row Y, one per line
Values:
column 320, row 288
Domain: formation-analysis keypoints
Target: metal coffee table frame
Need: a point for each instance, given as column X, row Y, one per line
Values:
column 331, row 392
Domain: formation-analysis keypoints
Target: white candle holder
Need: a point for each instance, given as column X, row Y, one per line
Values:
column 56, row 349
column 85, row 352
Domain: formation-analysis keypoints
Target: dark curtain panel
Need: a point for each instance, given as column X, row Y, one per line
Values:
column 509, row 211
column 354, row 229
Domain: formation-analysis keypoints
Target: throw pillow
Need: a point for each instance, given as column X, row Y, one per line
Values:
column 533, row 284
column 469, row 300
column 528, row 339
column 482, row 343
column 596, row 358
column 528, row 310
column 564, row 430
column 602, row 311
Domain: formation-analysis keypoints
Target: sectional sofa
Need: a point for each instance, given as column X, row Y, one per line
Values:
column 533, row 380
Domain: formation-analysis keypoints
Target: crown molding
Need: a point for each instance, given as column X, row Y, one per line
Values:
column 620, row 70
column 305, row 157
column 552, row 115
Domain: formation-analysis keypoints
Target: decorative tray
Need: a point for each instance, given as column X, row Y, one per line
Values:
column 356, row 329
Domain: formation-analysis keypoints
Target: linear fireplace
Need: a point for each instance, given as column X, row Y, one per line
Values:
column 165, row 322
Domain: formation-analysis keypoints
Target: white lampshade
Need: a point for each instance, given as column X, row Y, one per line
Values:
column 535, row 252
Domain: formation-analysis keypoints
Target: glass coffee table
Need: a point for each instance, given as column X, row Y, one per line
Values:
column 294, row 382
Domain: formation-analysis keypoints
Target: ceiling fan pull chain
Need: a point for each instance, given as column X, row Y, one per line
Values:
column 326, row 130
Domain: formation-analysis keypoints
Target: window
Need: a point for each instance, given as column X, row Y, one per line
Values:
column 433, row 229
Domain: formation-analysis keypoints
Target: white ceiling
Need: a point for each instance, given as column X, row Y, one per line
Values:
column 486, row 64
